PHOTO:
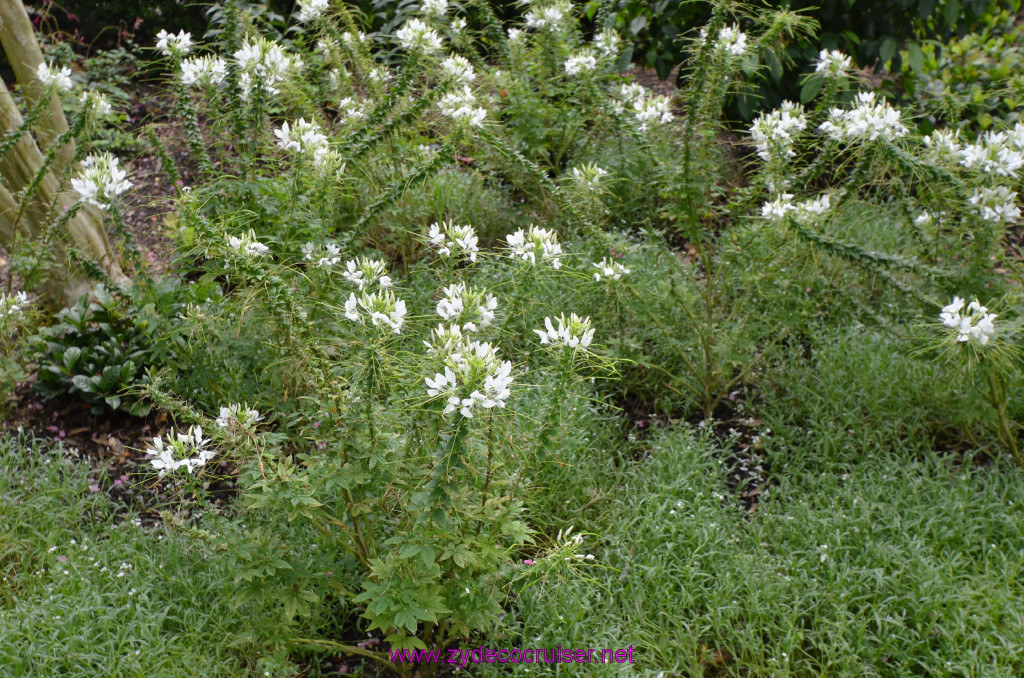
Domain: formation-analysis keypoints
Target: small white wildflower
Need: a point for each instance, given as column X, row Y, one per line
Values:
column 773, row 133
column 589, row 176
column 236, row 416
column 311, row 9
column 265, row 63
column 459, row 106
column 976, row 326
column 580, row 62
column 731, row 40
column 435, row 9
column 98, row 102
column 247, row 245
column 575, row 332
column 59, row 77
column 867, row 121
column 382, row 308
column 923, row 220
column 996, row 204
column 550, row 18
column 993, row 153
column 171, row 44
column 365, row 271
column 450, row 239
column 459, row 69
column 167, row 456
column 609, row 270
column 416, row 35
column 204, row 70
column 473, row 376
column 778, row 208
column 833, row 64
column 101, row 180
column 467, row 308
column 608, row 43
column 533, row 242
column 515, row 35
column 13, row 304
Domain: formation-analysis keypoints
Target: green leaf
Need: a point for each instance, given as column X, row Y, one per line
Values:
column 812, row 86
column 887, row 49
column 952, row 13
column 84, row 383
column 637, row 24
column 915, row 57
column 71, row 356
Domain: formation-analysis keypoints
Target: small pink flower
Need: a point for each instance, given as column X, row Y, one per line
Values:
column 528, row 562
column 62, row 559
column 94, row 488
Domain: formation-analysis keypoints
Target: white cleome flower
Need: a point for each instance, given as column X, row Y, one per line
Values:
column 996, row 204
column 181, row 450
column 609, row 270
column 833, row 64
column 452, row 240
column 580, row 62
column 459, row 69
column 365, row 271
column 589, row 176
column 416, row 35
column 473, row 376
column 867, row 121
column 12, row 304
column 993, row 153
column 101, row 180
column 460, row 106
column 171, row 44
column 548, row 18
column 264, row 62
column 467, row 308
column 327, row 257
column 778, row 208
column 59, row 77
column 773, row 133
column 236, row 417
column 98, row 102
column 435, row 9
column 731, row 40
column 311, row 9
column 976, row 326
column 203, row 70
column 382, row 309
column 608, row 43
column 575, row 332
column 646, row 109
column 247, row 245
column 535, row 242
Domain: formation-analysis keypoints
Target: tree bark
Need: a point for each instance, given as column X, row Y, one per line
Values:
column 85, row 232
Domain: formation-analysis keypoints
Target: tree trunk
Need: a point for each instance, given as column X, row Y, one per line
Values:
column 85, row 232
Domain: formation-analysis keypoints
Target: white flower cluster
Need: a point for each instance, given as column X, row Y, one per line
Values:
column 327, row 257
column 467, row 308
column 311, row 9
column 415, row 34
column 435, row 9
column 773, row 132
column 265, row 62
column 237, row 417
column 203, row 70
column 12, row 304
column 589, row 176
column 867, row 121
column 996, row 204
column 351, row 109
column 573, row 333
column 365, row 271
column 444, row 341
column 975, row 326
column 731, row 40
column 516, row 35
column 805, row 212
column 60, row 77
column 459, row 69
column 473, row 375
column 608, row 43
column 307, row 139
column 182, row 450
column 579, row 62
column 943, row 145
column 98, row 102
column 171, row 44
column 101, row 180
column 460, row 106
column 353, row 40
column 449, row 238
column 609, row 270
column 833, row 64
column 998, row 153
column 383, row 309
column 647, row 109
column 248, row 245
column 549, row 18
column 528, row 244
